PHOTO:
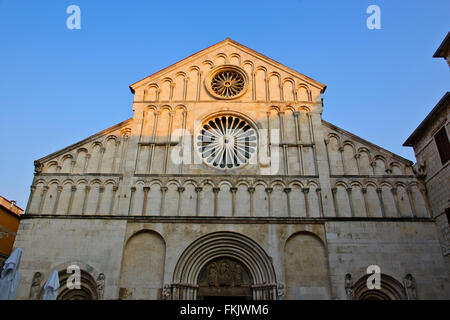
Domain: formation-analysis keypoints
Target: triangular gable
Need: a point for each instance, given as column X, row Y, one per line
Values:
column 218, row 45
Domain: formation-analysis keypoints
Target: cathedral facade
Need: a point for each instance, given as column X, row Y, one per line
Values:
column 226, row 182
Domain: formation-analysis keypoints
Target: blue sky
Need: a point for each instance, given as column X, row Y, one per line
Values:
column 59, row 86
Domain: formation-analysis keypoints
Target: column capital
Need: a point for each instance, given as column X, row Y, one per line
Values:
column 146, row 189
column 181, row 189
column 133, row 189
column 251, row 189
column 305, row 190
column 164, row 189
column 198, row 189
column 269, row 190
column 287, row 190
column 216, row 190
column 233, row 189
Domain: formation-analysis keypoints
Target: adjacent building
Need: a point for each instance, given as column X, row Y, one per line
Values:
column 9, row 224
column 431, row 146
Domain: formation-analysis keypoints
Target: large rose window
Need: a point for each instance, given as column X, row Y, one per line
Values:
column 226, row 142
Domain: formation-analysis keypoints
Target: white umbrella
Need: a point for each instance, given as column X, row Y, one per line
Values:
column 10, row 276
column 51, row 286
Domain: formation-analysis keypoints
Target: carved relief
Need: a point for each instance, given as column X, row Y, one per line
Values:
column 35, row 286
column 224, row 272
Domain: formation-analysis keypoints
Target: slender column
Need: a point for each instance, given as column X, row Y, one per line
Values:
column 253, row 86
column 305, row 195
column 199, row 81
column 336, row 208
column 288, row 192
column 72, row 165
column 269, row 192
column 58, row 195
column 357, row 157
column 311, row 133
column 130, row 207
column 30, row 199
column 73, row 189
column 282, row 142
column 86, row 196
column 423, row 191
column 251, row 191
column 116, row 151
column 411, row 202
column 327, row 141
column 101, row 191
column 198, row 190
column 366, row 205
column 162, row 207
column 395, row 195
column 373, row 164
column 269, row 139
column 380, row 197
column 123, row 152
column 41, row 202
column 350, row 200
column 185, row 88
column 216, row 191
column 144, row 205
column 341, row 152
column 86, row 164
column 100, row 161
column 182, row 142
column 180, row 192
column 319, row 197
column 152, row 146
column 233, row 191
column 166, row 151
column 172, row 86
column 111, row 207
column 297, row 139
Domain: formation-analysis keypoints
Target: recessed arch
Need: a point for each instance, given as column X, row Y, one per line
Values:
column 390, row 289
column 224, row 244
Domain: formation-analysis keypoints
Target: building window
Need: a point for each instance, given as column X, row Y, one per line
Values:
column 226, row 142
column 227, row 82
column 443, row 145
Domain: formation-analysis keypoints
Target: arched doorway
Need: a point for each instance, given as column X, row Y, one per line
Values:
column 87, row 291
column 390, row 289
column 224, row 277
column 223, row 253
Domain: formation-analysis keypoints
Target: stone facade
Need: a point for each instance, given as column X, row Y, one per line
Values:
column 298, row 203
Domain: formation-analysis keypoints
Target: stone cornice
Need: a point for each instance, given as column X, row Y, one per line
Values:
column 223, row 220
